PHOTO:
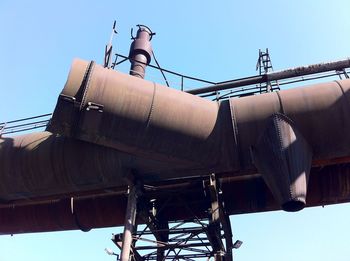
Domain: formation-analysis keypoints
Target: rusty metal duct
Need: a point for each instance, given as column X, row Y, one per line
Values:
column 140, row 51
column 327, row 185
column 148, row 120
column 43, row 165
column 143, row 118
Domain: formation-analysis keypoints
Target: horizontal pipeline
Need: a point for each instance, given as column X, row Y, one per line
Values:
column 328, row 185
column 111, row 124
column 152, row 121
column 277, row 75
column 282, row 134
column 45, row 166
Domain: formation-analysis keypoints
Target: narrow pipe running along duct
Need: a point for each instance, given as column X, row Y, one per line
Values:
column 142, row 118
column 338, row 65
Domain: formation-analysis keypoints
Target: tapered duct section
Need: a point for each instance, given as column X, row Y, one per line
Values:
column 283, row 157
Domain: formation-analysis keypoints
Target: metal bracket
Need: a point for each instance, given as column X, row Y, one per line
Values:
column 344, row 72
column 91, row 118
column 94, row 106
column 142, row 28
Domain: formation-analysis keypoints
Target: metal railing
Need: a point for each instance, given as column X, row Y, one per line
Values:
column 25, row 124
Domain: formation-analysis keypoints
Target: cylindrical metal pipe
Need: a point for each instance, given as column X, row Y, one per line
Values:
column 140, row 52
column 319, row 112
column 43, row 165
column 129, row 223
column 192, row 137
column 277, row 75
column 328, row 185
column 143, row 118
column 151, row 121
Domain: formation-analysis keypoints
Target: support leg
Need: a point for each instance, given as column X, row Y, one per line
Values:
column 130, row 219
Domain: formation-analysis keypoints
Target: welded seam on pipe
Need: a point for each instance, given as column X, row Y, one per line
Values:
column 340, row 86
column 86, row 83
column 83, row 93
column 149, row 118
column 282, row 117
column 80, row 93
column 75, row 216
column 280, row 102
column 235, row 131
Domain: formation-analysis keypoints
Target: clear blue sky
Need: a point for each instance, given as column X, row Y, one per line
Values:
column 215, row 40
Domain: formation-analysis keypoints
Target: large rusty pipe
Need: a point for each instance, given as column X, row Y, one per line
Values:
column 144, row 118
column 159, row 129
column 328, row 185
column 283, row 133
column 149, row 120
column 319, row 112
column 43, row 165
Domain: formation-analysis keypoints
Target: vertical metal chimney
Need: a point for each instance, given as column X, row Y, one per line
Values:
column 140, row 51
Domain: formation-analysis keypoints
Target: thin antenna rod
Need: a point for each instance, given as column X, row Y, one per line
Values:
column 109, row 48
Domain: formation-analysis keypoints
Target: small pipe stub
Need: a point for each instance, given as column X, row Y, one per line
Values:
column 140, row 51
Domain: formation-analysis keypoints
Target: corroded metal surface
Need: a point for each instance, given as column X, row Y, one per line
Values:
column 143, row 118
column 153, row 121
column 319, row 112
column 149, row 120
column 328, row 185
column 108, row 124
column 43, row 165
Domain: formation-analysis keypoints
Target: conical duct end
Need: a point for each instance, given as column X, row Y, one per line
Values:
column 293, row 205
column 283, row 157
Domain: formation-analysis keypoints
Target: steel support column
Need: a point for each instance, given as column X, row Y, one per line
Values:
column 130, row 219
column 201, row 235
